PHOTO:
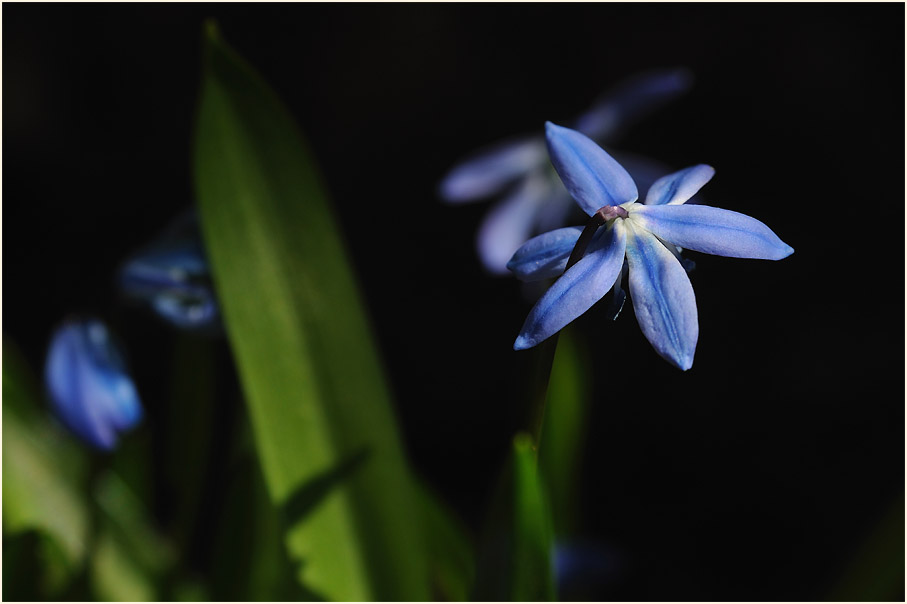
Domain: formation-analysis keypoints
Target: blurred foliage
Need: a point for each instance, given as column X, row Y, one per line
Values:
column 319, row 404
column 44, row 477
column 515, row 553
column 564, row 432
column 451, row 549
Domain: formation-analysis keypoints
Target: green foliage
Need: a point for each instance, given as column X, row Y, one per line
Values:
column 564, row 432
column 44, row 473
column 319, row 405
column 515, row 560
column 450, row 549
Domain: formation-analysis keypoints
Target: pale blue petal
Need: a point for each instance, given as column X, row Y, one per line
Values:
column 711, row 230
column 593, row 177
column 510, row 223
column 576, row 291
column 663, row 298
column 632, row 99
column 87, row 383
column 544, row 256
column 676, row 188
column 491, row 170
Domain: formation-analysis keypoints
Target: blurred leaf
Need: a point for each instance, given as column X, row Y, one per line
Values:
column 876, row 573
column 515, row 558
column 115, row 576
column 250, row 561
column 451, row 552
column 564, row 432
column 130, row 558
column 34, row 567
column 312, row 378
column 44, row 471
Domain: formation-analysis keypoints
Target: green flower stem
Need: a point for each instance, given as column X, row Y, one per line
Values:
column 544, row 356
column 540, row 374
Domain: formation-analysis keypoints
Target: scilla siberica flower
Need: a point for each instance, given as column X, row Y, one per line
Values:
column 88, row 385
column 171, row 275
column 644, row 233
column 535, row 200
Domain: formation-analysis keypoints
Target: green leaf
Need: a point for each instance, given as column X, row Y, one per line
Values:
column 564, row 432
column 450, row 550
column 44, row 470
column 316, row 395
column 515, row 559
column 129, row 558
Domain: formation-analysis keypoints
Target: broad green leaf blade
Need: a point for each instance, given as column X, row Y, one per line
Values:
column 44, row 469
column 564, row 432
column 316, row 395
column 515, row 560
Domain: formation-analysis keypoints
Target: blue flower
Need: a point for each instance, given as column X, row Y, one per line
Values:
column 88, row 385
column 647, row 234
column 172, row 276
column 535, row 201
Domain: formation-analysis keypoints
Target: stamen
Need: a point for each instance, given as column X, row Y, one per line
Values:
column 603, row 215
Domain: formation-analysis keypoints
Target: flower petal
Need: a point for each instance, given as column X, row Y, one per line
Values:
column 172, row 276
column 491, row 170
column 631, row 100
column 577, row 290
column 593, row 177
column 676, row 188
column 544, row 256
column 663, row 298
column 510, row 223
column 711, row 230
column 88, row 385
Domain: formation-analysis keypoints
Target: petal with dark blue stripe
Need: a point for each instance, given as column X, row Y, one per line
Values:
column 593, row 177
column 711, row 230
column 676, row 188
column 663, row 298
column 584, row 284
column 544, row 256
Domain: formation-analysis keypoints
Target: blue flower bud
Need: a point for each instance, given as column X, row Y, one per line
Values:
column 88, row 385
column 171, row 275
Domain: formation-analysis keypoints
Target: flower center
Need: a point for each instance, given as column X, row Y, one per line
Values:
column 602, row 216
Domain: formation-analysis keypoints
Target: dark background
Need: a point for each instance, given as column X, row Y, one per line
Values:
column 757, row 475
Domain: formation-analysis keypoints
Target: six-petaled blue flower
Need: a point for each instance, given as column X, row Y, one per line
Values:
column 88, row 385
column 646, row 234
column 536, row 201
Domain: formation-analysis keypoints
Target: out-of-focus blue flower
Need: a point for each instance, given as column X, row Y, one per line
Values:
column 88, row 385
column 647, row 235
column 171, row 275
column 535, row 201
column 583, row 568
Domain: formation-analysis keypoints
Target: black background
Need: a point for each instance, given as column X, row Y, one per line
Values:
column 758, row 474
